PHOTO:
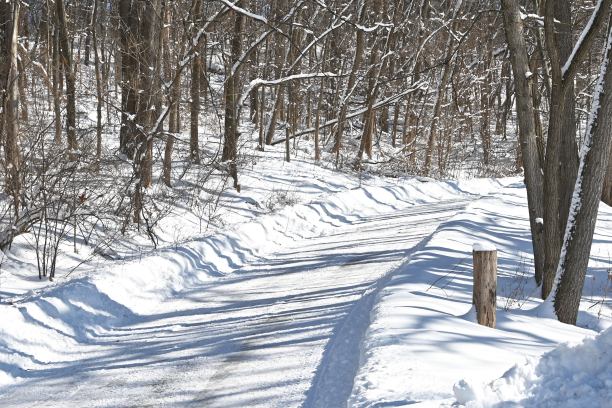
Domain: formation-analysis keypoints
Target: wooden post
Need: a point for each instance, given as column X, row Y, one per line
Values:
column 485, row 283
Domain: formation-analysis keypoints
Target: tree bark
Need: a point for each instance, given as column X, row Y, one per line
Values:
column 9, row 97
column 348, row 90
column 606, row 195
column 67, row 63
column 175, row 93
column 230, row 145
column 513, row 26
column 100, row 101
column 196, row 73
column 147, row 13
column 594, row 160
column 561, row 151
column 129, row 76
column 57, row 88
column 484, row 295
column 446, row 75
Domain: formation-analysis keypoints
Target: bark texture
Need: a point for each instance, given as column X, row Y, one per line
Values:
column 485, row 286
column 513, row 26
column 594, row 159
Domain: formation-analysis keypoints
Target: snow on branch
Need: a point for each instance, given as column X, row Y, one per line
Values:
column 252, row 46
column 247, row 13
column 315, row 41
column 531, row 16
column 420, row 85
column 262, row 37
column 274, row 82
column 577, row 197
column 197, row 39
column 366, row 29
column 602, row 8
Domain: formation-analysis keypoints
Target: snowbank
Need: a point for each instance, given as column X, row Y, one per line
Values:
column 59, row 322
column 568, row 376
column 422, row 339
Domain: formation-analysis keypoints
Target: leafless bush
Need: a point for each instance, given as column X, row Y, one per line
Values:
column 280, row 198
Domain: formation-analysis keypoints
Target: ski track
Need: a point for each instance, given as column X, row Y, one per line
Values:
column 282, row 332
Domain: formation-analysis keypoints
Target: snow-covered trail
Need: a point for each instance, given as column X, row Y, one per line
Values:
column 281, row 332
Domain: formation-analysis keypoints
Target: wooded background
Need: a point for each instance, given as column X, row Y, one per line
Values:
column 103, row 99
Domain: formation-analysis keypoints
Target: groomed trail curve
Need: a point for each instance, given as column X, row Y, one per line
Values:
column 283, row 331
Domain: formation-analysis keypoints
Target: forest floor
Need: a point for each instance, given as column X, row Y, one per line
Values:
column 334, row 288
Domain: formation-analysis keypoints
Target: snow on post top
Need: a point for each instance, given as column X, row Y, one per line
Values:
column 483, row 246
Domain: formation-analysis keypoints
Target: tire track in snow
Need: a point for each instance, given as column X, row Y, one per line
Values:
column 334, row 378
column 282, row 333
column 338, row 362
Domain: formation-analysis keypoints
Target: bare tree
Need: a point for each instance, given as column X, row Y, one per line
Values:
column 594, row 158
column 232, row 82
column 68, row 67
column 9, row 98
column 534, row 182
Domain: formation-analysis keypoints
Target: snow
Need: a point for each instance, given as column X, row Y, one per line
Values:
column 360, row 294
column 247, row 13
column 568, row 376
column 423, row 339
column 483, row 246
column 312, row 287
column 259, row 305
column 358, row 291
column 258, row 82
column 582, row 37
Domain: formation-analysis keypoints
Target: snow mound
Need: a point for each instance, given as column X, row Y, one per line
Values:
column 568, row 376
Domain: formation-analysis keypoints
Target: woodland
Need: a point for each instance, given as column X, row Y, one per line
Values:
column 114, row 111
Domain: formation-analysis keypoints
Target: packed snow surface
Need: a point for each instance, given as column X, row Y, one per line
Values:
column 423, row 339
column 359, row 294
column 269, row 313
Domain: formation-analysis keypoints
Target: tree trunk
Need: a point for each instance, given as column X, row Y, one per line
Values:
column 606, row 195
column 231, row 90
column 57, row 88
column 348, row 90
column 94, row 34
column 594, row 158
column 561, row 151
column 196, row 73
column 143, row 159
column 513, row 26
column 9, row 97
column 175, row 93
column 446, row 74
column 485, row 102
column 431, row 141
column 66, row 54
column 129, row 76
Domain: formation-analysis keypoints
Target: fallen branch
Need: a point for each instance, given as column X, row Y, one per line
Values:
column 415, row 87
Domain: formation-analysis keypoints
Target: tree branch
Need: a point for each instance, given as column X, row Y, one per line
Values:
column 597, row 20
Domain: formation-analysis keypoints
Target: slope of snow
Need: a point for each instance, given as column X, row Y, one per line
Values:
column 568, row 376
column 304, row 306
column 423, row 337
column 54, row 332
